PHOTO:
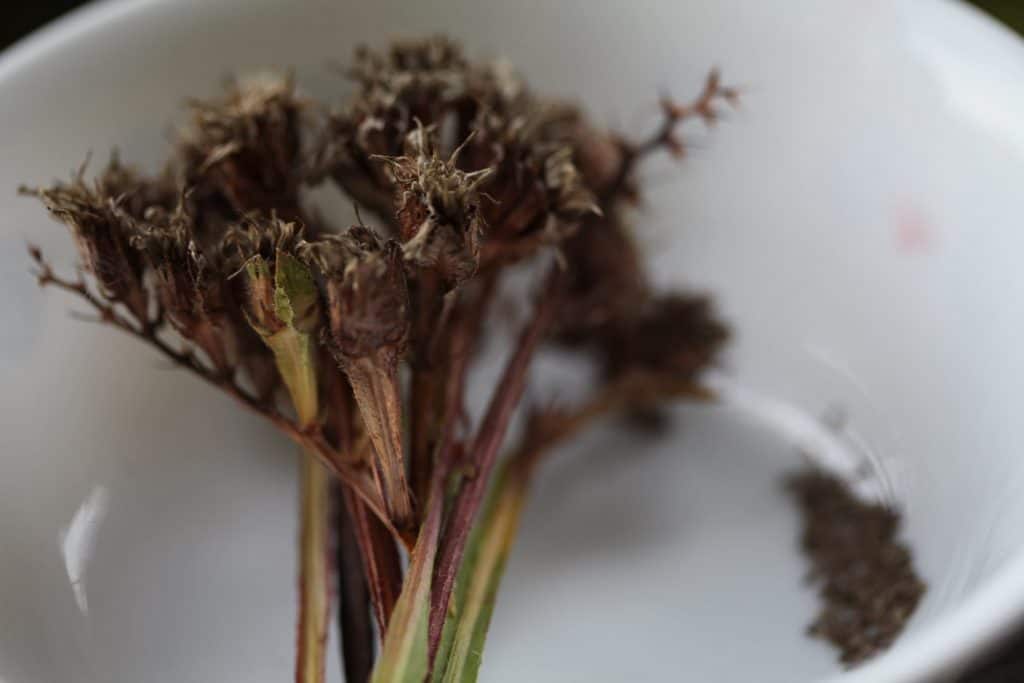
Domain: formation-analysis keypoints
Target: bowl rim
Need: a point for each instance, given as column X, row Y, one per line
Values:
column 943, row 648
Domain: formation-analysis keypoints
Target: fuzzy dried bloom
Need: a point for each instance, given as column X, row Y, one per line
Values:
column 672, row 336
column 246, row 147
column 368, row 313
column 605, row 279
column 540, row 194
column 431, row 65
column 438, row 208
column 366, row 292
column 189, row 286
column 98, row 217
column 412, row 81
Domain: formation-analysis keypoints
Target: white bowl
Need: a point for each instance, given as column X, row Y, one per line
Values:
column 859, row 220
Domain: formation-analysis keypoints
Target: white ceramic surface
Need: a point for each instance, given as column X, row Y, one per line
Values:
column 859, row 220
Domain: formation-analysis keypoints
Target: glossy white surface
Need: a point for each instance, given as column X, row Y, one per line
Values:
column 860, row 220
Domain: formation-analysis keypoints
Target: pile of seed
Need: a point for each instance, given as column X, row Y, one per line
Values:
column 865, row 576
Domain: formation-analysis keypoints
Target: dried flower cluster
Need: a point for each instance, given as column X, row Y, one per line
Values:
column 220, row 264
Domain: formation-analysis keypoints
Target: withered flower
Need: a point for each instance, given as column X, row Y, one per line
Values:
column 100, row 223
column 605, row 279
column 368, row 321
column 189, row 286
column 438, row 209
column 246, row 147
column 283, row 305
column 671, row 336
column 540, row 197
column 412, row 81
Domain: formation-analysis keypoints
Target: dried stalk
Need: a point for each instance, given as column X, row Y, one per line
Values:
column 483, row 453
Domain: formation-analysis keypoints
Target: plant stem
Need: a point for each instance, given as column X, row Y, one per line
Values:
column 314, row 593
column 483, row 454
column 354, row 623
column 381, row 562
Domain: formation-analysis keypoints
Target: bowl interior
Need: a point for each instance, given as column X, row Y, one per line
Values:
column 857, row 220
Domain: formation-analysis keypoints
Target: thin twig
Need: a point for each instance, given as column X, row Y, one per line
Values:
column 665, row 137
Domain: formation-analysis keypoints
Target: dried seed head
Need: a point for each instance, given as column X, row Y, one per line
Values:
column 672, row 336
column 246, row 147
column 605, row 279
column 415, row 80
column 99, row 216
column 424, row 65
column 366, row 291
column 540, row 195
column 438, row 209
column 190, row 286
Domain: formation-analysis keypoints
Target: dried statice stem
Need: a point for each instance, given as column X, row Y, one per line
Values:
column 377, row 551
column 665, row 137
column 483, row 453
column 314, row 573
column 380, row 560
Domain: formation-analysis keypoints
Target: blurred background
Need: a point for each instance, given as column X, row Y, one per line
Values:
column 23, row 17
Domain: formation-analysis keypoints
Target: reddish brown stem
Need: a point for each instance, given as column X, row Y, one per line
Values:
column 423, row 409
column 674, row 114
column 378, row 554
column 483, row 454
column 381, row 562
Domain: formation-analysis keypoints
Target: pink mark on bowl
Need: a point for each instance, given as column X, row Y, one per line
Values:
column 915, row 232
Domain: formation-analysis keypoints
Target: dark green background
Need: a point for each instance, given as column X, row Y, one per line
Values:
column 19, row 18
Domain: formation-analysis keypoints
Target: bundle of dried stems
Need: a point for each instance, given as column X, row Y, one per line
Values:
column 357, row 343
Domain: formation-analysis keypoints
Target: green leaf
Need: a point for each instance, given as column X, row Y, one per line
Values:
column 483, row 566
column 296, row 299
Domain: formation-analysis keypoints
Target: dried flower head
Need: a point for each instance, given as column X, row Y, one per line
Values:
column 246, row 147
column 366, row 293
column 671, row 336
column 412, row 81
column 368, row 311
column 540, row 195
column 100, row 218
column 438, row 208
column 189, row 286
column 605, row 279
